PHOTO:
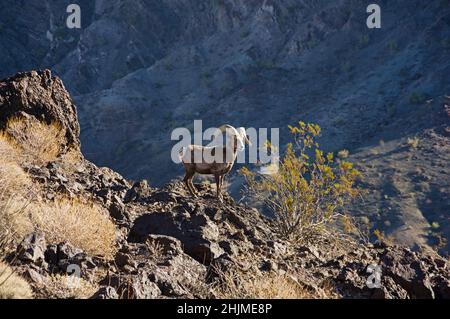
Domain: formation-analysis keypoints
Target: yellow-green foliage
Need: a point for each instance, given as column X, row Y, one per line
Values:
column 310, row 189
column 12, row 286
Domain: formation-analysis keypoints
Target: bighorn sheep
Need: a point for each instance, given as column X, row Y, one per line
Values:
column 214, row 160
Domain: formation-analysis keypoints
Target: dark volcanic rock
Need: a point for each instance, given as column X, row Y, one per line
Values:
column 32, row 249
column 417, row 273
column 43, row 97
column 138, row 192
column 106, row 293
column 205, row 227
column 403, row 274
column 160, row 268
column 139, row 286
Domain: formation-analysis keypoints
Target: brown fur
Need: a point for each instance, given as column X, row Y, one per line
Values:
column 218, row 169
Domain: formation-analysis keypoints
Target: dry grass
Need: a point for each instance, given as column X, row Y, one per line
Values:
column 83, row 225
column 343, row 154
column 71, row 161
column 7, row 150
column 38, row 143
column 241, row 285
column 156, row 249
column 15, row 187
column 14, row 223
column 68, row 287
column 413, row 142
column 12, row 286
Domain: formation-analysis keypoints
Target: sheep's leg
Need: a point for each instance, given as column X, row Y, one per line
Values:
column 194, row 190
column 222, row 177
column 188, row 180
column 218, row 186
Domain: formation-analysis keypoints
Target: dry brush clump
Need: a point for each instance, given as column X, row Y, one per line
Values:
column 38, row 143
column 16, row 190
column 12, row 286
column 68, row 287
column 310, row 189
column 238, row 284
column 413, row 142
column 82, row 223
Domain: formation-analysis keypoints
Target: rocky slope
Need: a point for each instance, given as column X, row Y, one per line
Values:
column 139, row 69
column 172, row 246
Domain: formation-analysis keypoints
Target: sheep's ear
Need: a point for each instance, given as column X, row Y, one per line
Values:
column 246, row 139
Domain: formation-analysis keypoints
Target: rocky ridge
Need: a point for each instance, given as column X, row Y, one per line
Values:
column 139, row 69
column 170, row 245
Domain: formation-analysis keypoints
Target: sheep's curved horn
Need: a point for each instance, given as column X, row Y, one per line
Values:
column 224, row 128
column 243, row 133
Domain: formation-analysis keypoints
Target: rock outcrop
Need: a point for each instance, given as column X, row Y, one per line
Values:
column 37, row 95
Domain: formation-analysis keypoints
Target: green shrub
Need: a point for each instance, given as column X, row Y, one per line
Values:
column 417, row 98
column 364, row 40
column 310, row 189
column 392, row 46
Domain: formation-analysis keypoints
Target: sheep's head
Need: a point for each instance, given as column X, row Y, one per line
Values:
column 238, row 135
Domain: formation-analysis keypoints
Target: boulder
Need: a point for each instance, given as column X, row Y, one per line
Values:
column 37, row 95
column 404, row 274
column 139, row 287
column 408, row 270
column 32, row 249
column 200, row 236
column 62, row 255
column 106, row 292
column 138, row 192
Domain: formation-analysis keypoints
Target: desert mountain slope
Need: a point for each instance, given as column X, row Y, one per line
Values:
column 166, row 244
column 139, row 69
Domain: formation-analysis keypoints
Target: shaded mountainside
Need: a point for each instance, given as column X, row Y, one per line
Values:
column 139, row 69
column 136, row 68
column 168, row 245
